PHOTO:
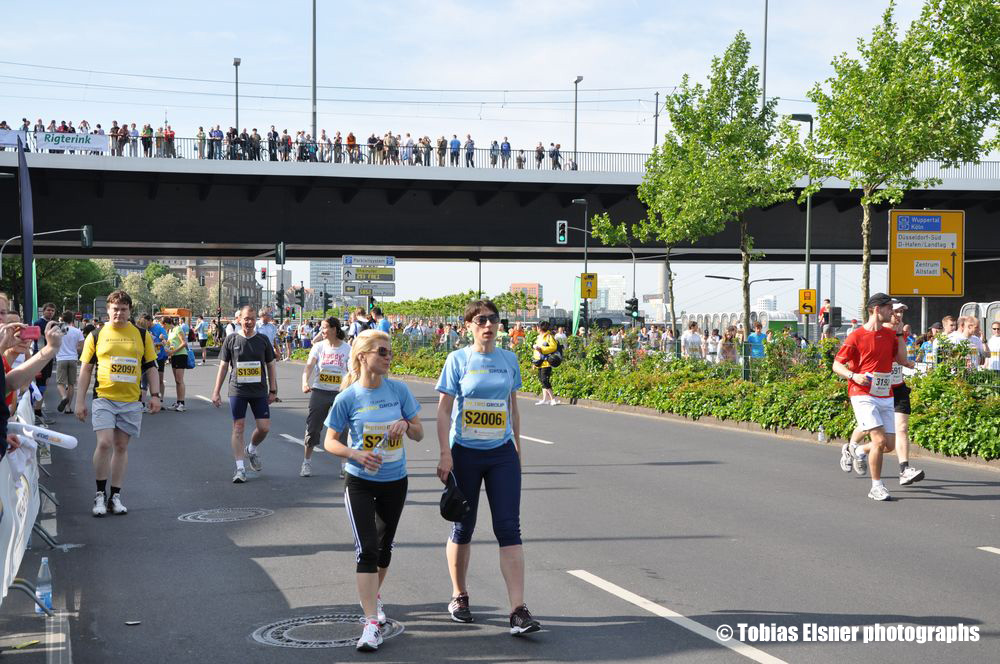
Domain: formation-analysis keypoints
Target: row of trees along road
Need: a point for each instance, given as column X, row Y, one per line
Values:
column 929, row 94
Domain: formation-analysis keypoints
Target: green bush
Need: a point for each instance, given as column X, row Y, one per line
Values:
column 952, row 414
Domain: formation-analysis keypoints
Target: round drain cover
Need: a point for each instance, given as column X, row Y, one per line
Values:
column 225, row 514
column 334, row 630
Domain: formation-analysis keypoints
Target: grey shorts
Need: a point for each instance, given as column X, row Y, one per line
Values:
column 122, row 415
column 66, row 372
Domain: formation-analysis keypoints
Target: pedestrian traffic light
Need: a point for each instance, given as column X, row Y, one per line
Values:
column 291, row 313
column 263, row 274
column 300, row 297
column 288, row 312
column 371, row 303
column 279, row 253
column 327, row 301
column 583, row 310
column 562, row 230
column 87, row 237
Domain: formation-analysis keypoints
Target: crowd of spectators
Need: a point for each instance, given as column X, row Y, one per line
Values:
column 126, row 139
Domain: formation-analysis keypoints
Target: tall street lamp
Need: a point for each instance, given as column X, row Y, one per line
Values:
column 586, row 234
column 315, row 135
column 236, row 66
column 576, row 91
column 806, row 117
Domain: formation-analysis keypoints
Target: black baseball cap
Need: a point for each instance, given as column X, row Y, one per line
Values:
column 878, row 300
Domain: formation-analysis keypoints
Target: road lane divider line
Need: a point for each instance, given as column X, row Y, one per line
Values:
column 537, row 440
column 299, row 441
column 681, row 621
column 989, row 549
column 203, row 398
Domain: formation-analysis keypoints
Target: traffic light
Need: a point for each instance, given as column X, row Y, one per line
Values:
column 562, row 231
column 279, row 253
column 291, row 313
column 300, row 297
column 583, row 311
column 371, row 303
column 288, row 312
column 632, row 308
column 263, row 274
column 87, row 237
column 327, row 301
column 281, row 299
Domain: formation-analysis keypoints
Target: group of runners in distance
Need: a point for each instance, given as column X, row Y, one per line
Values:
column 366, row 415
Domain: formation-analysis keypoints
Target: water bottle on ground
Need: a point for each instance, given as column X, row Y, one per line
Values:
column 822, row 435
column 43, row 586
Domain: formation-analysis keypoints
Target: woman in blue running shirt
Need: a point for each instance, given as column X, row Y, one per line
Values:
column 378, row 411
column 479, row 434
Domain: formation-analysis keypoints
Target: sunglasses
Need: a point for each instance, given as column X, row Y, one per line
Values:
column 483, row 319
column 382, row 352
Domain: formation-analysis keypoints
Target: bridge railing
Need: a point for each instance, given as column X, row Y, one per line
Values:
column 431, row 156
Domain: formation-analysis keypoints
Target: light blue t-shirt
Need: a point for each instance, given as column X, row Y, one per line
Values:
column 481, row 384
column 756, row 341
column 367, row 412
column 159, row 334
column 201, row 329
column 384, row 326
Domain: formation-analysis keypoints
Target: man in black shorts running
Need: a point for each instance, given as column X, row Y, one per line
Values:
column 253, row 383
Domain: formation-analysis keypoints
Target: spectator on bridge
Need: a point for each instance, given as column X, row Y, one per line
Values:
column 494, row 154
column 133, row 141
column 123, row 139
column 159, row 142
column 83, row 127
column 244, row 145
column 168, row 142
column 273, row 138
column 455, row 146
column 505, row 153
column 147, row 141
column 520, row 160
column 325, row 147
column 338, row 148
column 470, row 151
column 408, row 150
column 352, row 147
column 442, row 150
column 113, row 137
column 200, row 144
column 556, row 156
column 539, row 155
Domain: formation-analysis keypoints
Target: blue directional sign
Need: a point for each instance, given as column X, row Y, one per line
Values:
column 912, row 222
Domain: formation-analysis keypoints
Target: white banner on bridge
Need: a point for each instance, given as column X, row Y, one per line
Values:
column 8, row 138
column 51, row 140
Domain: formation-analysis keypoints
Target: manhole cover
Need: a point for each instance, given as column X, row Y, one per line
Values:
column 225, row 514
column 334, row 630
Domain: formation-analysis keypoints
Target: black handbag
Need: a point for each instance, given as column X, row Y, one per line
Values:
column 454, row 505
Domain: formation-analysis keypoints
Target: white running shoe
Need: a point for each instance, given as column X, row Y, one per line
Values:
column 254, row 459
column 180, row 408
column 910, row 475
column 240, row 477
column 541, row 403
column 846, row 460
column 879, row 492
column 554, row 402
column 858, row 459
column 379, row 611
column 371, row 638
column 172, row 406
column 306, row 470
column 117, row 507
column 100, row 505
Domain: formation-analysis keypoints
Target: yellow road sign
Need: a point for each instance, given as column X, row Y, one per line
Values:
column 927, row 253
column 588, row 285
column 807, row 301
column 351, row 273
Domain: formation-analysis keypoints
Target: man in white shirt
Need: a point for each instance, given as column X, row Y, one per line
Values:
column 992, row 360
column 560, row 335
column 691, row 341
column 67, row 361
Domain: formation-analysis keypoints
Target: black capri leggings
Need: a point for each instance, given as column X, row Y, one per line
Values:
column 545, row 377
column 319, row 407
column 374, row 509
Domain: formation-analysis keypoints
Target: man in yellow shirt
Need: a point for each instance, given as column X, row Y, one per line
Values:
column 121, row 352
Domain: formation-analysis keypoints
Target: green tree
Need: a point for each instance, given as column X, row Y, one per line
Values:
column 883, row 113
column 166, row 291
column 192, row 295
column 722, row 156
column 154, row 271
column 59, row 279
column 966, row 34
column 135, row 285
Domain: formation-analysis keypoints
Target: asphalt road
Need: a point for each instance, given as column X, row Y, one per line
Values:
column 639, row 534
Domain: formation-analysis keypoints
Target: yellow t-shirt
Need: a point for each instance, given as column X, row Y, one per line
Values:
column 121, row 357
column 545, row 344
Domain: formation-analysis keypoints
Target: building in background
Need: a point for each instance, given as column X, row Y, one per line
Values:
column 766, row 303
column 610, row 293
column 534, row 292
column 327, row 273
column 239, row 278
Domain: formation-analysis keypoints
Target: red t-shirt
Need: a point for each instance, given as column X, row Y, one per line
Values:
column 870, row 352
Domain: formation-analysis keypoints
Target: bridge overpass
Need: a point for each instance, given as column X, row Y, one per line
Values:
column 193, row 208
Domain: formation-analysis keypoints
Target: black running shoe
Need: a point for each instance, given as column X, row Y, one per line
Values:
column 521, row 622
column 62, row 405
column 458, row 607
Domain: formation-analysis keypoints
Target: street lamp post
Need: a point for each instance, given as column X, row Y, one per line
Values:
column 806, row 117
column 746, row 332
column 236, row 66
column 315, row 135
column 586, row 235
column 576, row 91
column 113, row 279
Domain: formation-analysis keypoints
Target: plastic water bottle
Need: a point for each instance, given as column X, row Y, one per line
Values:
column 377, row 451
column 43, row 586
column 822, row 434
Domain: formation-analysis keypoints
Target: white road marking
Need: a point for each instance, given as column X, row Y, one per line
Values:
column 676, row 618
column 989, row 549
column 203, row 398
column 537, row 440
column 299, row 441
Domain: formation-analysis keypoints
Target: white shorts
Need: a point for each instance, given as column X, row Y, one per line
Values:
column 872, row 412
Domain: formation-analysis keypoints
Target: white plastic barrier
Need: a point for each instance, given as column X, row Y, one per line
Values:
column 19, row 488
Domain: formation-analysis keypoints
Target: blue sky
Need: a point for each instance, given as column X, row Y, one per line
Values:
column 491, row 69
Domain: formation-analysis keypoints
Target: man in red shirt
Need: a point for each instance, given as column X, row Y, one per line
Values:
column 865, row 360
